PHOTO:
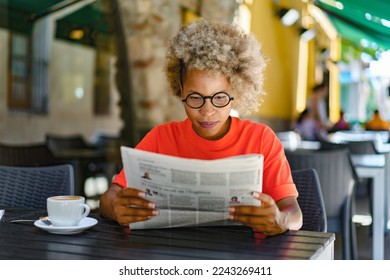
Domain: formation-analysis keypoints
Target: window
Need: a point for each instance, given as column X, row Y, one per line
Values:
column 19, row 95
column 28, row 86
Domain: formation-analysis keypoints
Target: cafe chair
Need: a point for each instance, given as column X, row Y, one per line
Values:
column 326, row 145
column 55, row 142
column 364, row 187
column 88, row 160
column 106, row 140
column 110, row 144
column 27, row 155
column 361, row 147
column 364, row 147
column 91, row 167
column 29, row 187
column 338, row 178
column 310, row 200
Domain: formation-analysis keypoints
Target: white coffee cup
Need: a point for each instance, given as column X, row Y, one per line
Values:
column 67, row 210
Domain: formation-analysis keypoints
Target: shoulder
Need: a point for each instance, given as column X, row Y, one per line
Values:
column 161, row 134
column 169, row 127
column 256, row 135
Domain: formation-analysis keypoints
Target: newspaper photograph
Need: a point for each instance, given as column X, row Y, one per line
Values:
column 192, row 192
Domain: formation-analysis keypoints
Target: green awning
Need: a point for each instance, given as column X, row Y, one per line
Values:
column 93, row 19
column 363, row 23
column 19, row 15
column 358, row 37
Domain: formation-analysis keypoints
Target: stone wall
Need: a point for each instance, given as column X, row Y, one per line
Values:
column 148, row 24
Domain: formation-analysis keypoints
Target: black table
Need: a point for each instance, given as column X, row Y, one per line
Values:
column 107, row 240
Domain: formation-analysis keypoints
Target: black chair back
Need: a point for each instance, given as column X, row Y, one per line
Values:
column 310, row 200
column 29, row 187
column 56, row 142
column 361, row 147
column 338, row 180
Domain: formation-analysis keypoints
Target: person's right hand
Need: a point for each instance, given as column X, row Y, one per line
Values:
column 127, row 205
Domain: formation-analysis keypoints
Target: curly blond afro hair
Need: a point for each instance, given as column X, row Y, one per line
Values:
column 222, row 48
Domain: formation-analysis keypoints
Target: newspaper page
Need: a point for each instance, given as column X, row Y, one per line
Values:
column 192, row 192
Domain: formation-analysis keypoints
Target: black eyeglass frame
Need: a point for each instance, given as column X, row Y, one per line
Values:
column 211, row 97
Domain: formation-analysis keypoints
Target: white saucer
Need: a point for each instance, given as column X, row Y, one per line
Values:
column 83, row 225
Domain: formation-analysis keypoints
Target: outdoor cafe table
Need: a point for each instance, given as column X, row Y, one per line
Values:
column 108, row 240
column 377, row 167
column 374, row 166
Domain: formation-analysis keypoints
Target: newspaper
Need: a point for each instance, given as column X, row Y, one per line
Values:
column 192, row 192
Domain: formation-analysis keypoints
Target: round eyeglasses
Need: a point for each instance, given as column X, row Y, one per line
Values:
column 195, row 100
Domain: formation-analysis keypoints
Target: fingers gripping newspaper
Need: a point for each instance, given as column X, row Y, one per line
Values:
column 192, row 192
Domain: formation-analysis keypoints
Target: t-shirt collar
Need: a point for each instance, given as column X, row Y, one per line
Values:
column 212, row 144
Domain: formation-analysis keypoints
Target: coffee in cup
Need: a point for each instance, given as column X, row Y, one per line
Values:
column 67, row 210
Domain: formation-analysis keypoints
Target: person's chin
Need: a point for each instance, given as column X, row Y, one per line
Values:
column 208, row 134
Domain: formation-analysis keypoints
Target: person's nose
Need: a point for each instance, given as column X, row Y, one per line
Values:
column 207, row 109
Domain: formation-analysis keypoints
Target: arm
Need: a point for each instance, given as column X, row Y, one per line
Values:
column 279, row 210
column 271, row 217
column 126, row 205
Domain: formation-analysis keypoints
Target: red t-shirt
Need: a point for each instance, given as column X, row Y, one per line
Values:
column 244, row 137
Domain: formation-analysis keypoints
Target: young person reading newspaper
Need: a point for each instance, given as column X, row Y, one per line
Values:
column 214, row 68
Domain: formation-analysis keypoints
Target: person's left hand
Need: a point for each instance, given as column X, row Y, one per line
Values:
column 266, row 218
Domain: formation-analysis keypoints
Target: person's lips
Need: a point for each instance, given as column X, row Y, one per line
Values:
column 208, row 124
